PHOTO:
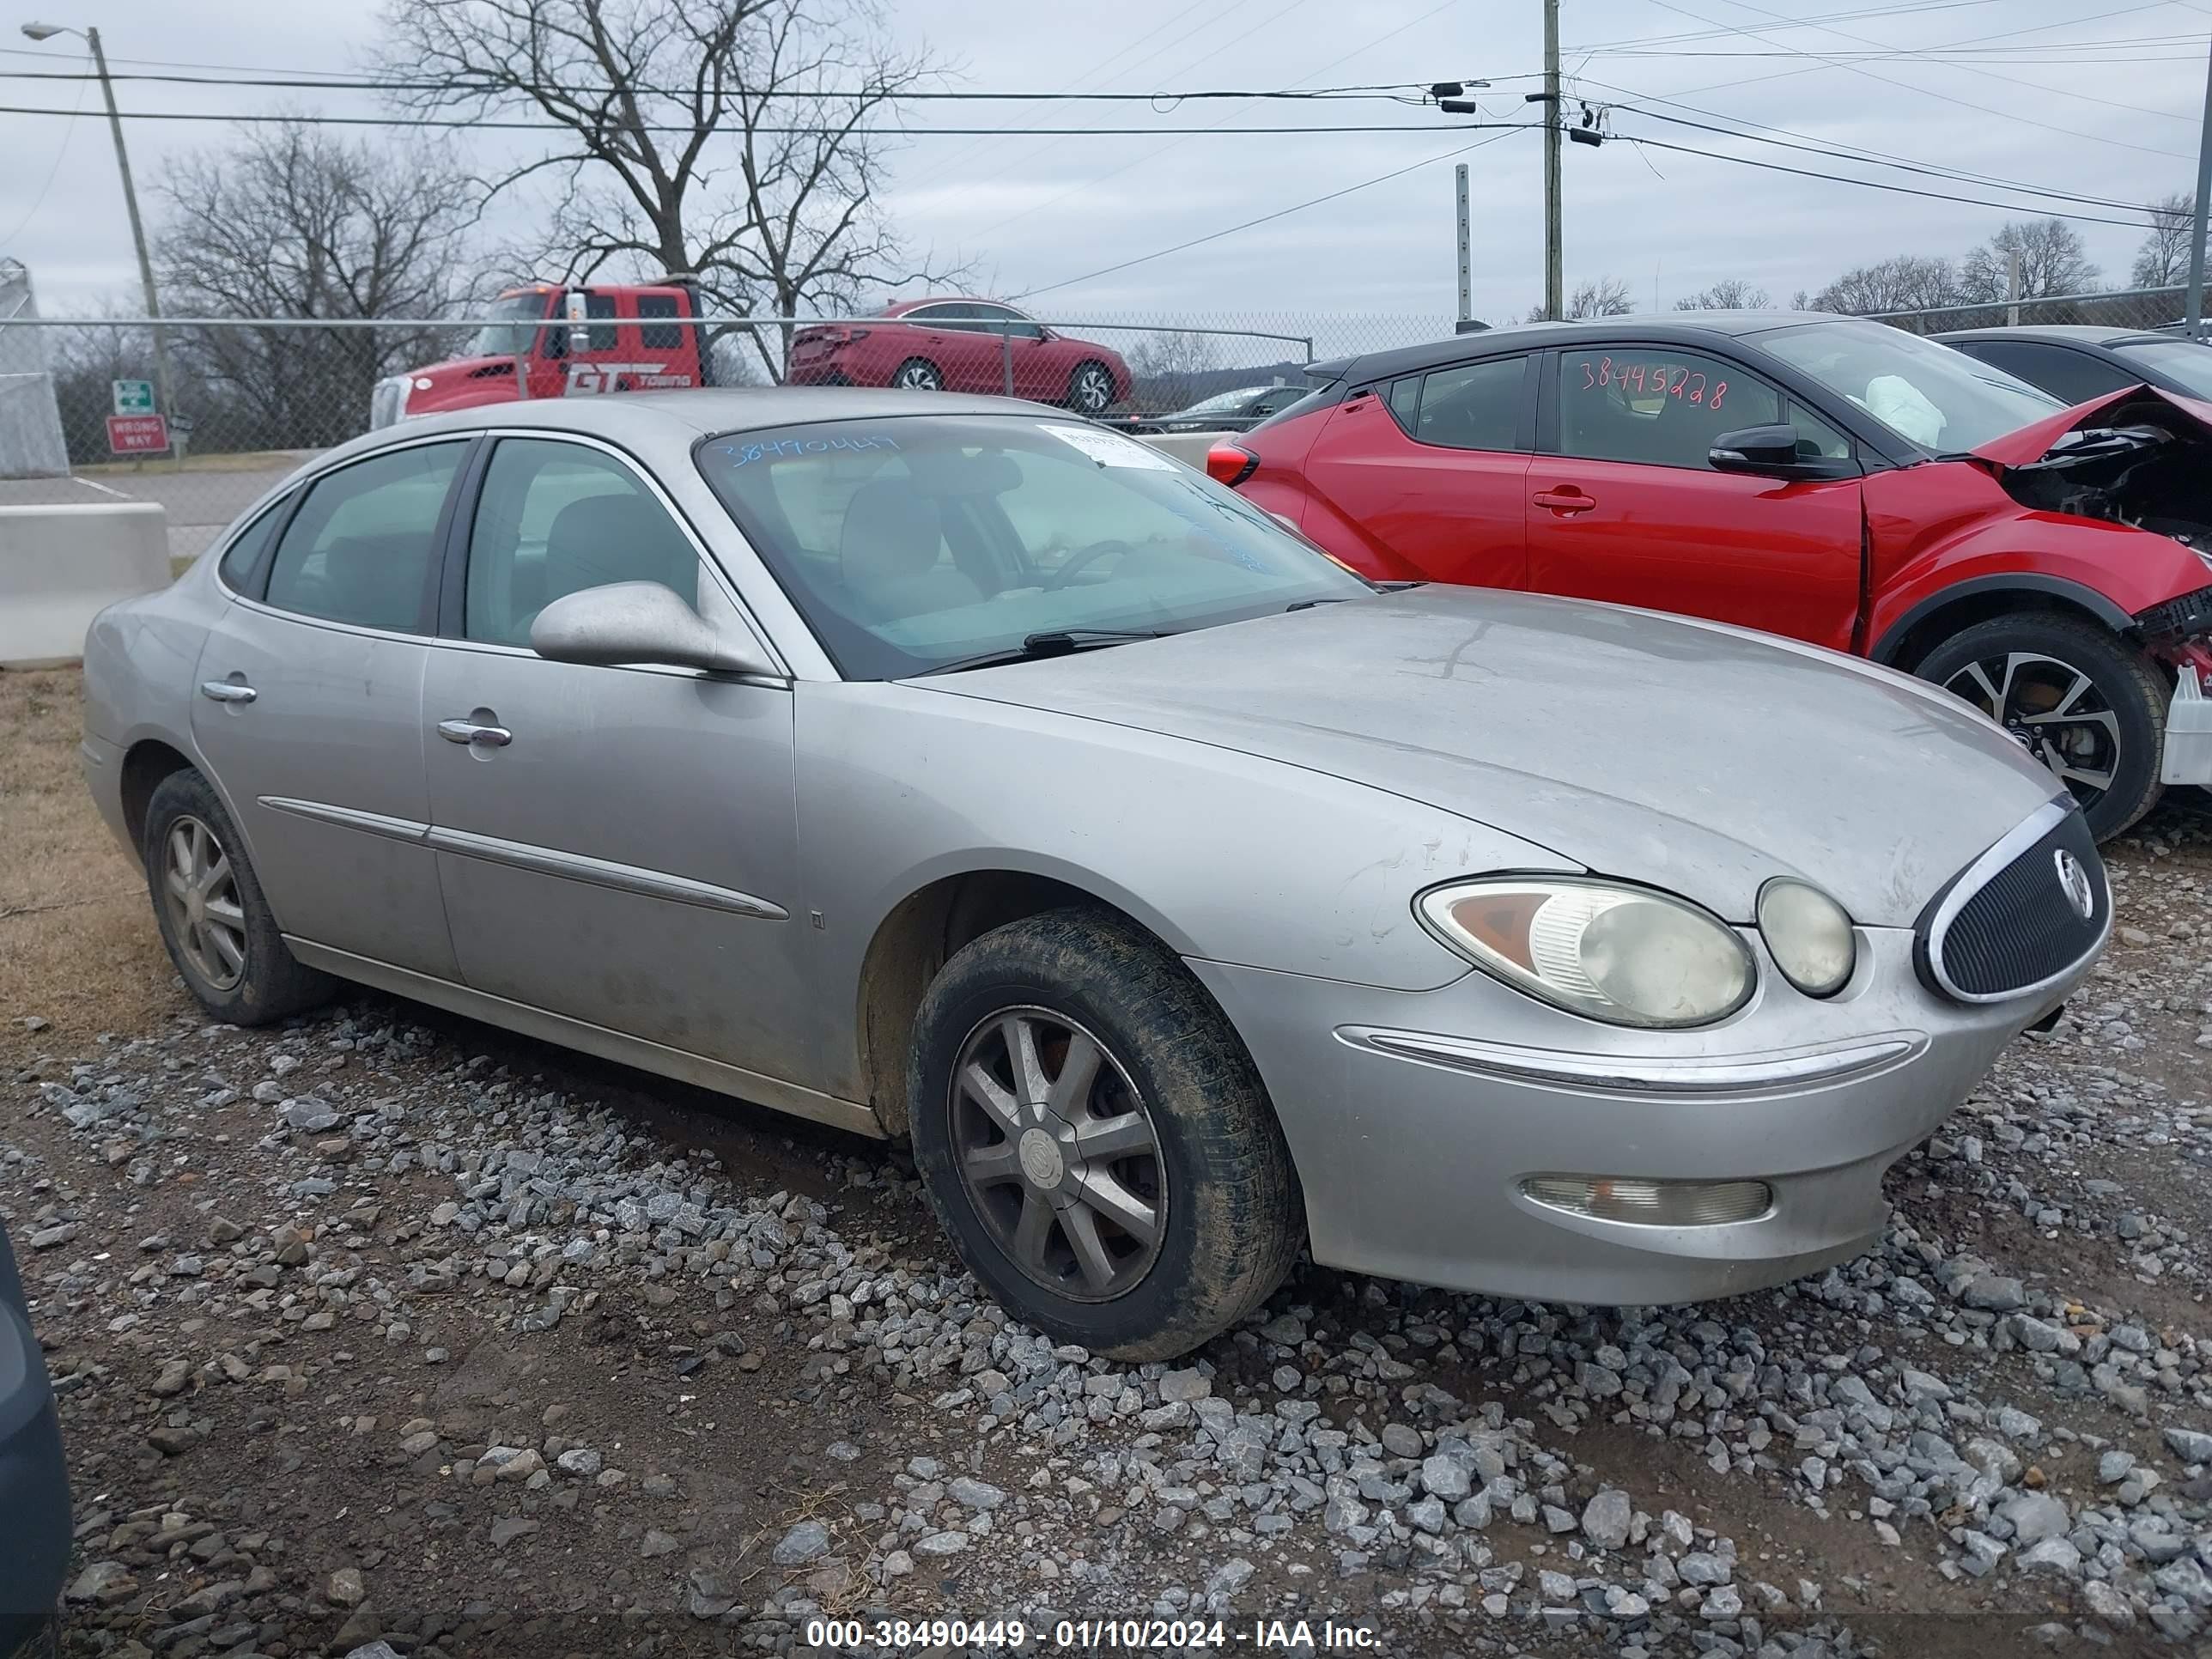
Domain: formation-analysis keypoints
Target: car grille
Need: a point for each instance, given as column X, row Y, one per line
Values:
column 2012, row 922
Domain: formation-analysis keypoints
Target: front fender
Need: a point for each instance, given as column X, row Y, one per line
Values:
column 1948, row 528
column 1223, row 855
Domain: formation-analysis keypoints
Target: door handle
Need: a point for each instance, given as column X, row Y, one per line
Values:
column 228, row 691
column 473, row 730
column 1567, row 499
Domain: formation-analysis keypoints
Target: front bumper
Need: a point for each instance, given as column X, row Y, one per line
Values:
column 1412, row 1136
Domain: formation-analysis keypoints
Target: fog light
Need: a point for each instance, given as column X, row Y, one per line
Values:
column 1652, row 1203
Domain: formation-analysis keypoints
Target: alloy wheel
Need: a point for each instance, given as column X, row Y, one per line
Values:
column 1058, row 1154
column 201, row 891
column 1094, row 390
column 918, row 376
column 2052, row 710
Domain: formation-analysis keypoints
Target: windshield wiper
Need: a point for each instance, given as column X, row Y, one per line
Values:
column 1052, row 642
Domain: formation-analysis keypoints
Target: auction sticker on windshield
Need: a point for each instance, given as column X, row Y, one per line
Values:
column 1111, row 448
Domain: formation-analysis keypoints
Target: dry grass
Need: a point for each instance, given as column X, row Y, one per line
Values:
column 77, row 943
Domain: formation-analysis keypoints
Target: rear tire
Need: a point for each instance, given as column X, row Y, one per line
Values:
column 918, row 374
column 1186, row 1142
column 219, row 929
column 2025, row 668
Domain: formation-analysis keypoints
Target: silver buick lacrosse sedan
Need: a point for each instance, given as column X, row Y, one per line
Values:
column 950, row 769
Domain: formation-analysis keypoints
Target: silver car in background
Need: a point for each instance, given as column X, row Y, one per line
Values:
column 942, row 768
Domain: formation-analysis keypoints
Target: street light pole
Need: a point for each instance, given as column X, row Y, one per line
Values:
column 1555, row 292
column 46, row 32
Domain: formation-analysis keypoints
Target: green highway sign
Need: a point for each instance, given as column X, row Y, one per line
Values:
column 134, row 396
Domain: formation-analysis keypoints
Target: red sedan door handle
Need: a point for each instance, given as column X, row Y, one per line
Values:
column 1565, row 499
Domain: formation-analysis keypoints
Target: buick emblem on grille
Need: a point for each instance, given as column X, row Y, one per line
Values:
column 2075, row 882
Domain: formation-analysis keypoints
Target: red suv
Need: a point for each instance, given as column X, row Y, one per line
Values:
column 1825, row 477
column 962, row 345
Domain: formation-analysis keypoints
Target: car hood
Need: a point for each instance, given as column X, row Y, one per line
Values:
column 1695, row 756
column 2032, row 443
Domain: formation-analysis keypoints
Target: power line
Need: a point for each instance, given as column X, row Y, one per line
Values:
column 302, row 82
column 1865, row 184
column 1718, row 31
column 53, row 172
column 1279, row 213
column 1934, row 170
column 444, row 122
column 1154, row 155
column 1754, row 32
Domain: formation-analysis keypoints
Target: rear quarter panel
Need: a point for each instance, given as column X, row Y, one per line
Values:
column 1932, row 527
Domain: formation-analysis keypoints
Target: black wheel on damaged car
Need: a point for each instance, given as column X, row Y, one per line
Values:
column 217, row 926
column 1095, row 1140
column 1090, row 389
column 2073, row 695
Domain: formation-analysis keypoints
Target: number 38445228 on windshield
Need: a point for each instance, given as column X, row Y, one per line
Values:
column 1656, row 380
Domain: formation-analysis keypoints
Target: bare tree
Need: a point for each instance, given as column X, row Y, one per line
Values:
column 732, row 139
column 1904, row 282
column 289, row 223
column 1730, row 294
column 1166, row 368
column 2162, row 261
column 1599, row 296
column 2052, row 260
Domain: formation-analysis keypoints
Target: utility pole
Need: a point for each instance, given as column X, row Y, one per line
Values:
column 1466, row 262
column 1555, row 294
column 2197, row 221
column 46, row 32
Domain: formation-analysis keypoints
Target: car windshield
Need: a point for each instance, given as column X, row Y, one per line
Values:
column 1928, row 393
column 2182, row 361
column 500, row 338
column 912, row 544
column 1222, row 403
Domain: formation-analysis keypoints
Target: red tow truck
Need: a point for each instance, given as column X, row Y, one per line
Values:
column 549, row 340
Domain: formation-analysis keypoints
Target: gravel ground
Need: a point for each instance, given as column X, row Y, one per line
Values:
column 387, row 1328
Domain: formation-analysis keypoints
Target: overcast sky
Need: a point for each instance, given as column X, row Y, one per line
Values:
column 1036, row 211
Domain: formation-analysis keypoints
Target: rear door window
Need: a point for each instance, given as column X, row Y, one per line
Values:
column 363, row 547
column 242, row 560
column 1471, row 405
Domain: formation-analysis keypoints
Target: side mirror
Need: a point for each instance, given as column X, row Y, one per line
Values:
column 1770, row 451
column 639, row 622
column 580, row 333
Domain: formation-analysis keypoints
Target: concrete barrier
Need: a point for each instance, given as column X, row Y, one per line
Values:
column 61, row 566
column 1189, row 448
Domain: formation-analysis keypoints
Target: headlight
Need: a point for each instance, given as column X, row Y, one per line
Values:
column 1809, row 934
column 1623, row 955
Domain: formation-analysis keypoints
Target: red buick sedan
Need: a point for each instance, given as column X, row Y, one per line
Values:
column 1824, row 478
column 962, row 345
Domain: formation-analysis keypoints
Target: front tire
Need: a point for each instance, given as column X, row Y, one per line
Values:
column 1090, row 389
column 219, row 929
column 1095, row 1140
column 2083, row 701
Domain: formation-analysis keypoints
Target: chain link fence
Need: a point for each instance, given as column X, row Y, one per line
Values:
column 2151, row 309
column 203, row 414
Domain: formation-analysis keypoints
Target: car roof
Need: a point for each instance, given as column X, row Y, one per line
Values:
column 682, row 417
column 2068, row 334
column 899, row 308
column 1686, row 328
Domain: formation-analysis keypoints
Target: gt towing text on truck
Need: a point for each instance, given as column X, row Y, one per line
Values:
column 546, row 340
